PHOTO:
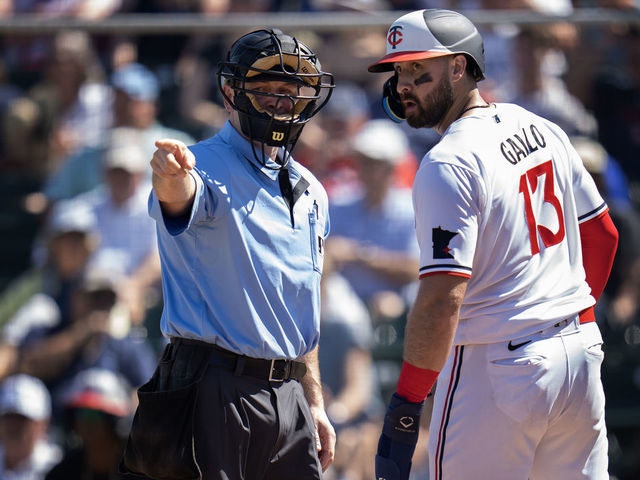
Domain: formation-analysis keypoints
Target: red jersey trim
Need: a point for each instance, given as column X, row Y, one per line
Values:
column 445, row 272
column 587, row 316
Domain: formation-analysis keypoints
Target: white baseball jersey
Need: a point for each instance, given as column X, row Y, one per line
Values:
column 499, row 200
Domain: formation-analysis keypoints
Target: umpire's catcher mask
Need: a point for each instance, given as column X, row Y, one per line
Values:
column 271, row 55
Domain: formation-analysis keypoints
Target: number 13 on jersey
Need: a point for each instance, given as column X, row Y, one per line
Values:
column 528, row 187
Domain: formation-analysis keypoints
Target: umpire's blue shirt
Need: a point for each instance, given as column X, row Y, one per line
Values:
column 236, row 272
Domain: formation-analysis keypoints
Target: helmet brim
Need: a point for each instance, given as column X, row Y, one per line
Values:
column 385, row 64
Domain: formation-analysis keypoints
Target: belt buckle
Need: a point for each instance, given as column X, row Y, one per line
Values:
column 282, row 372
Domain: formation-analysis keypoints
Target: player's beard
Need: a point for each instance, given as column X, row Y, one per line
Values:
column 430, row 113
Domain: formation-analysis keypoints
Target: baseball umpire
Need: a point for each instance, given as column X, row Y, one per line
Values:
column 516, row 247
column 241, row 227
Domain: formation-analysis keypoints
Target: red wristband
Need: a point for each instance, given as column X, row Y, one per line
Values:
column 415, row 383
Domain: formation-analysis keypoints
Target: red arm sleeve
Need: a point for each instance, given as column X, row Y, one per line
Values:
column 599, row 238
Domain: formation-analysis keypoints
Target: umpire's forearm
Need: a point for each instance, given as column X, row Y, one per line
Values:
column 311, row 383
column 175, row 193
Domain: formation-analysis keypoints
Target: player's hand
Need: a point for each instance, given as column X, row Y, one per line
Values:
column 325, row 437
column 398, row 439
column 172, row 159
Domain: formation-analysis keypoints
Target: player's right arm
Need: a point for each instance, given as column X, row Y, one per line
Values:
column 433, row 320
column 429, row 335
column 172, row 183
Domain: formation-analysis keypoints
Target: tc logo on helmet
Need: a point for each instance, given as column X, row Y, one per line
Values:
column 277, row 136
column 395, row 36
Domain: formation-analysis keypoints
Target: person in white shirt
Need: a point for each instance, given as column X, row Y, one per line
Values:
column 127, row 234
column 25, row 409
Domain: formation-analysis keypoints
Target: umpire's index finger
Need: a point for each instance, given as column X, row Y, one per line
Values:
column 179, row 150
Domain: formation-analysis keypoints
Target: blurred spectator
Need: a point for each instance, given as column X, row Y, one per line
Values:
column 325, row 148
column 136, row 97
column 26, row 453
column 192, row 101
column 189, row 98
column 196, row 97
column 348, row 5
column 498, row 42
column 617, row 316
column 619, row 4
column 541, row 92
column 346, row 366
column 136, row 92
column 622, row 292
column 372, row 241
column 69, row 238
column 98, row 335
column 120, row 206
column 127, row 233
column 501, row 83
column 550, row 7
column 616, row 97
column 68, row 110
column 41, row 297
column 84, row 171
column 8, row 358
column 615, row 184
column 135, row 109
column 98, row 408
column 9, row 92
column 86, row 9
column 40, row 311
column 26, row 55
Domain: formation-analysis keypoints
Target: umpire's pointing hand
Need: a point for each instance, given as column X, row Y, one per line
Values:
column 173, row 185
column 172, row 159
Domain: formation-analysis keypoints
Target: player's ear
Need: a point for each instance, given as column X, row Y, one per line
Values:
column 458, row 66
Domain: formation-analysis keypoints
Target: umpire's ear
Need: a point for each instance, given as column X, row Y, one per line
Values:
column 228, row 92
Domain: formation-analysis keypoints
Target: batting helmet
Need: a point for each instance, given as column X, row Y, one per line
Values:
column 271, row 55
column 432, row 33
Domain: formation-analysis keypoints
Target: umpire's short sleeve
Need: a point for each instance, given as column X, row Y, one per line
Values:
column 176, row 225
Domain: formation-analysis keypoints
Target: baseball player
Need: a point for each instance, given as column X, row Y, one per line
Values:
column 516, row 247
column 241, row 228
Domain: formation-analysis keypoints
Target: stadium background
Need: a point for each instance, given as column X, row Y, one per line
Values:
column 176, row 40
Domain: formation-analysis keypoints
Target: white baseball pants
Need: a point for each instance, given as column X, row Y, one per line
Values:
column 534, row 412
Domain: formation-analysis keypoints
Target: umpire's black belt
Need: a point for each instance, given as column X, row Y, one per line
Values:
column 276, row 370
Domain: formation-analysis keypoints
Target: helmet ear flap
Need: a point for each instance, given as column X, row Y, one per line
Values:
column 391, row 99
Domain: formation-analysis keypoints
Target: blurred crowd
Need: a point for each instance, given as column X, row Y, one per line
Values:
column 80, row 288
